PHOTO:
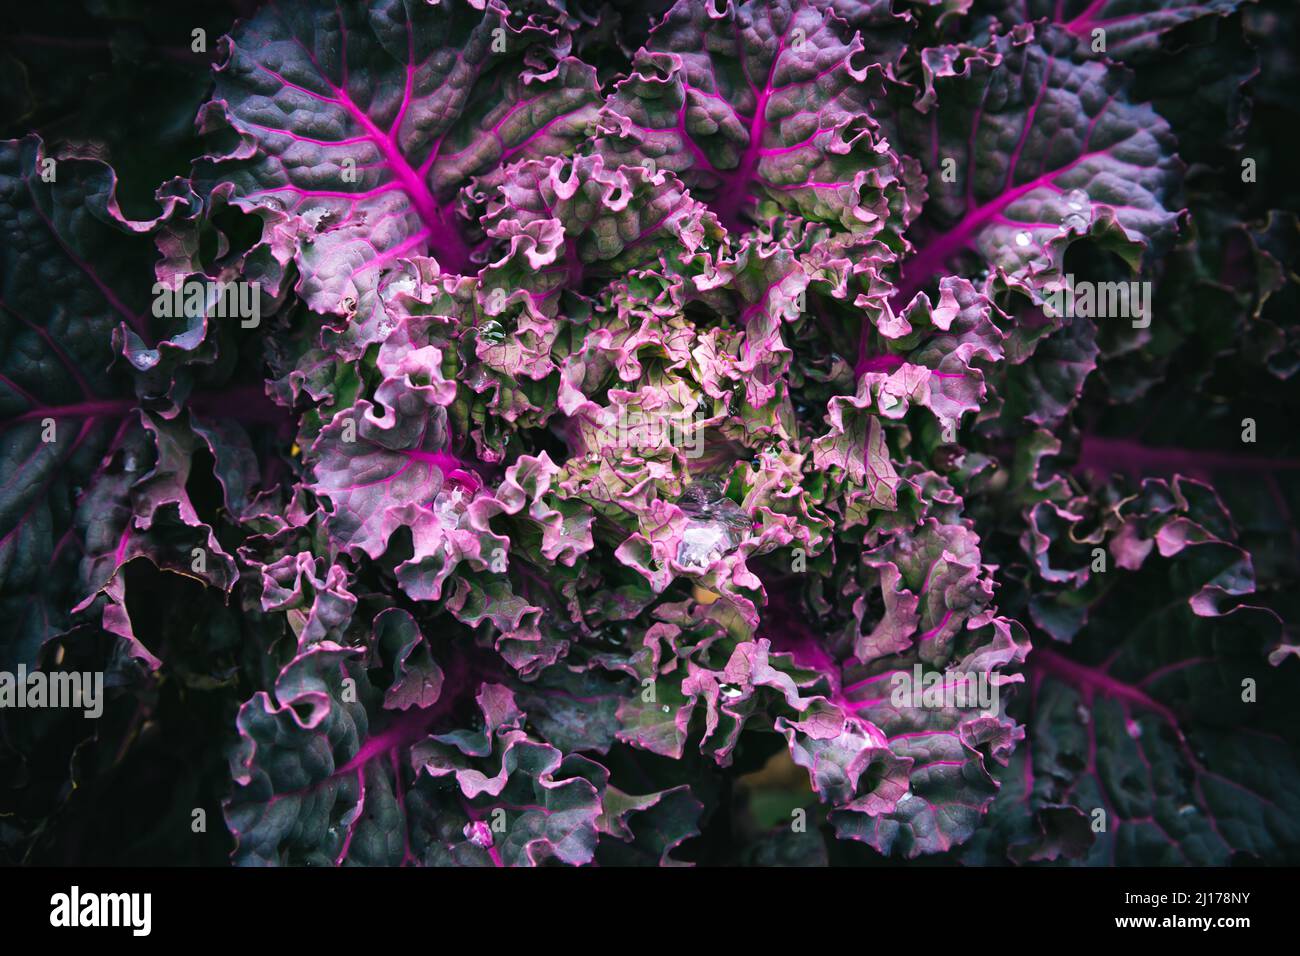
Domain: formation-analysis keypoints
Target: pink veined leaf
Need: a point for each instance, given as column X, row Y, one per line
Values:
column 1032, row 145
column 360, row 124
column 773, row 109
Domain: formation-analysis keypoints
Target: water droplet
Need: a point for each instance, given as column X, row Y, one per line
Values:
column 1076, row 199
column 1023, row 238
column 701, row 545
column 145, row 359
column 715, row 525
column 478, row 833
column 731, row 693
column 665, row 708
column 449, row 506
column 477, row 377
column 1075, row 223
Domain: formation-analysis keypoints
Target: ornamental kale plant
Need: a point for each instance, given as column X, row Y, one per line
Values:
column 596, row 432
